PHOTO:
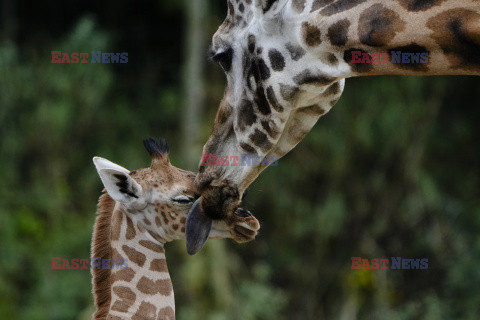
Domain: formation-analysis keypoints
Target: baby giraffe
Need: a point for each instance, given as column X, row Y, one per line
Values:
column 141, row 211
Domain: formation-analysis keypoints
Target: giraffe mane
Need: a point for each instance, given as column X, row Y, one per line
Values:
column 156, row 147
column 101, row 248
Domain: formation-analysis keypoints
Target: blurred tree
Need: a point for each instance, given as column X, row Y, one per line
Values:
column 193, row 79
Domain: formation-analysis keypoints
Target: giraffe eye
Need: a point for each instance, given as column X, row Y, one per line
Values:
column 183, row 199
column 224, row 58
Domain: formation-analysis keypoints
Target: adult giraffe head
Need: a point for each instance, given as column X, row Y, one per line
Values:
column 286, row 61
column 271, row 100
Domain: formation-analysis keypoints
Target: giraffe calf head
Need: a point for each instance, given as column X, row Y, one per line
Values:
column 157, row 201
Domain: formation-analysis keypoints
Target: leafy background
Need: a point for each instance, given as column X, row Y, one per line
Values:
column 392, row 170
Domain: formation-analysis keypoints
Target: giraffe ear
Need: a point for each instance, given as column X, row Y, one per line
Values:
column 117, row 181
column 197, row 228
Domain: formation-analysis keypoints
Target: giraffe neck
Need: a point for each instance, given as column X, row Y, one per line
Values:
column 144, row 289
column 447, row 33
column 135, row 283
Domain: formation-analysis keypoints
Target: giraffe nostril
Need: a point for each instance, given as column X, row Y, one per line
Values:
column 243, row 213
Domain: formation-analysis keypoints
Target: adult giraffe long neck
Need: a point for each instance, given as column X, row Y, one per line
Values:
column 143, row 290
column 448, row 31
column 286, row 62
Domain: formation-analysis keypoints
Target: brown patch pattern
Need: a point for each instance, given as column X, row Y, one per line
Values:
column 127, row 298
column 338, row 32
column 146, row 311
column 277, row 61
column 164, row 287
column 333, row 102
column 223, row 114
column 251, row 43
column 124, row 275
column 150, row 287
column 288, row 92
column 246, row 115
column 152, row 246
column 307, row 77
column 147, row 286
column 332, row 59
column 261, row 101
column 296, row 52
column 260, row 139
column 134, row 255
column 166, row 314
column 164, row 217
column 457, row 32
column 117, row 224
column 159, row 265
column 315, row 110
column 263, row 69
column 296, row 132
column 334, row 89
column 419, row 5
column 130, row 229
column 116, row 255
column 271, row 128
column 120, row 306
column 273, row 100
column 311, row 34
column 248, row 148
column 378, row 25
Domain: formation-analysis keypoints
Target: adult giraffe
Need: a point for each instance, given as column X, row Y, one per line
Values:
column 286, row 62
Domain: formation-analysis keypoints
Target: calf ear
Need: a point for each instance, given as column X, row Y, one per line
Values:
column 197, row 228
column 117, row 181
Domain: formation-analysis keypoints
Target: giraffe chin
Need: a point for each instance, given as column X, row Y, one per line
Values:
column 242, row 226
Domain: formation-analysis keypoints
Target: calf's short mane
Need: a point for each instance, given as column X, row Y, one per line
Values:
column 101, row 248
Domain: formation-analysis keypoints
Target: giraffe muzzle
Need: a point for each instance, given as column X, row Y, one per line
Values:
column 244, row 227
column 218, row 201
